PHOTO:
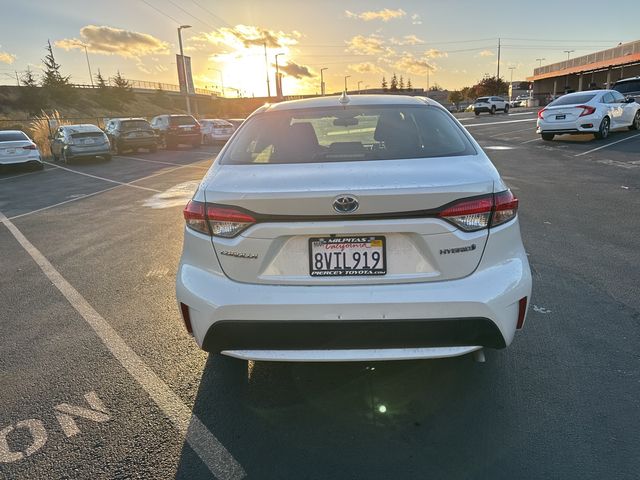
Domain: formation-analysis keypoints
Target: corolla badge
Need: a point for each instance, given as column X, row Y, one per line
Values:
column 345, row 204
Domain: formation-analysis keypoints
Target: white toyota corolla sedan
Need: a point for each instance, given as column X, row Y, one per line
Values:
column 364, row 228
column 593, row 111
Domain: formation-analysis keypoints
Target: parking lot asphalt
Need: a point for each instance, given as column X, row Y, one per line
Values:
column 100, row 380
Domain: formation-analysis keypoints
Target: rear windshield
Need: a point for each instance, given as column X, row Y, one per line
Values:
column 86, row 134
column 182, row 120
column 572, row 99
column 12, row 136
column 135, row 125
column 628, row 87
column 339, row 134
column 483, row 99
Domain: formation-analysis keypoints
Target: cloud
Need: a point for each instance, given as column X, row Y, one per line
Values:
column 249, row 36
column 294, row 70
column 407, row 40
column 415, row 19
column 366, row 67
column 371, row 45
column 385, row 14
column 7, row 58
column 115, row 41
column 415, row 66
column 486, row 53
column 435, row 53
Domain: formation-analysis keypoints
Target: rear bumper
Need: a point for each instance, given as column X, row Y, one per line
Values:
column 571, row 128
column 75, row 152
column 416, row 320
column 20, row 160
column 138, row 142
column 184, row 138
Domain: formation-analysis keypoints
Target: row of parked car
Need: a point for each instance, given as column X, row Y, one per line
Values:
column 69, row 142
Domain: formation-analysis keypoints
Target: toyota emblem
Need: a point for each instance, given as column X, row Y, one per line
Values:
column 345, row 204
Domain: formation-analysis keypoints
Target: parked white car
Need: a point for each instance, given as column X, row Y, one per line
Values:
column 364, row 228
column 17, row 148
column 490, row 105
column 593, row 111
column 216, row 130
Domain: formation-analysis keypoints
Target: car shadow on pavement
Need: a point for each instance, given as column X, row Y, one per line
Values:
column 353, row 420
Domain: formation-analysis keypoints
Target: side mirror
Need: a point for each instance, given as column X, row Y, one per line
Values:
column 629, row 100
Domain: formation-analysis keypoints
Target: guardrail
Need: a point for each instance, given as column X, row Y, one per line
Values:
column 146, row 85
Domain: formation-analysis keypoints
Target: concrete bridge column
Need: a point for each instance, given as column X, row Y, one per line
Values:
column 580, row 82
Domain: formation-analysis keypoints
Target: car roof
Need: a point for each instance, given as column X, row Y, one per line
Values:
column 82, row 127
column 13, row 131
column 354, row 100
column 630, row 79
column 130, row 118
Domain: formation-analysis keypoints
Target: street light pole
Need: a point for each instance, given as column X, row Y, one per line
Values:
column 511, row 84
column 359, row 82
column 278, row 82
column 88, row 64
column 568, row 52
column 322, row 80
column 345, row 83
column 266, row 64
column 539, row 60
column 221, row 79
column 184, row 67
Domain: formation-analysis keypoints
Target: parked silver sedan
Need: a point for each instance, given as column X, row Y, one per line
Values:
column 70, row 142
column 17, row 148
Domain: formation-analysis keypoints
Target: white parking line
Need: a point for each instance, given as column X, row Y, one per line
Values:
column 521, row 113
column 607, row 145
column 164, row 163
column 22, row 175
column 510, row 132
column 532, row 140
column 129, row 184
column 498, row 123
column 213, row 454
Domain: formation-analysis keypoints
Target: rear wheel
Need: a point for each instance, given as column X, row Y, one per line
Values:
column 107, row 157
column 477, row 113
column 493, row 110
column 506, row 108
column 119, row 148
column 603, row 131
column 635, row 125
column 548, row 136
column 65, row 157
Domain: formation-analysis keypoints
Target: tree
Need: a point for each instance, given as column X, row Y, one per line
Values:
column 106, row 96
column 384, row 84
column 455, row 97
column 57, row 86
column 435, row 88
column 102, row 84
column 30, row 96
column 394, row 83
column 409, row 86
column 401, row 83
column 467, row 93
column 491, row 86
column 122, row 90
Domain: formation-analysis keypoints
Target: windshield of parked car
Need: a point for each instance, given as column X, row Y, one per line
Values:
column 182, row 120
column 627, row 87
column 482, row 99
column 572, row 99
column 135, row 125
column 348, row 134
column 12, row 136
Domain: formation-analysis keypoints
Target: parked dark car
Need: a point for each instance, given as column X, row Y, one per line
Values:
column 174, row 130
column 70, row 142
column 629, row 87
column 131, row 134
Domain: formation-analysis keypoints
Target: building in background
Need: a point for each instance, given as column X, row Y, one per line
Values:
column 588, row 72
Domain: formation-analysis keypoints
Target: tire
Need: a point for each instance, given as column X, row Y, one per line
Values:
column 506, row 108
column 604, row 130
column 635, row 125
column 66, row 160
column 547, row 137
column 36, row 166
column 477, row 113
column 54, row 158
column 107, row 157
column 493, row 110
column 119, row 148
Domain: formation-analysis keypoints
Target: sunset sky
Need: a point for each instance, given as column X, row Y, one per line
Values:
column 457, row 41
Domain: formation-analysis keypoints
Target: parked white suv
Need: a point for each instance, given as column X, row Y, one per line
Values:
column 490, row 105
column 369, row 228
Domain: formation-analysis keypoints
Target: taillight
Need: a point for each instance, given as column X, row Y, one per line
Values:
column 30, row 147
column 217, row 221
column 194, row 216
column 586, row 110
column 227, row 222
column 482, row 212
column 505, row 208
column 540, row 112
column 470, row 215
column 186, row 317
column 522, row 311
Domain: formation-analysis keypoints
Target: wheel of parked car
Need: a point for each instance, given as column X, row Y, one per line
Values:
column 636, row 122
column 603, row 131
column 65, row 158
column 548, row 136
column 477, row 113
column 506, row 108
column 107, row 157
column 493, row 110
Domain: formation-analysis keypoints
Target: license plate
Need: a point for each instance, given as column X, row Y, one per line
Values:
column 87, row 141
column 560, row 117
column 10, row 151
column 347, row 256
